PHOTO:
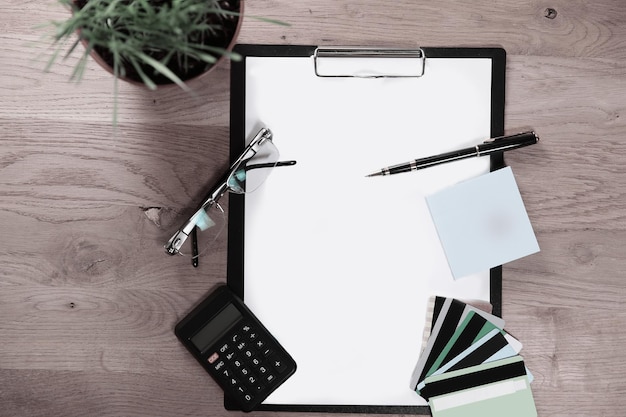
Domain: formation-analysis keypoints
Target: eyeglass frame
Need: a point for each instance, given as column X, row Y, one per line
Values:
column 175, row 243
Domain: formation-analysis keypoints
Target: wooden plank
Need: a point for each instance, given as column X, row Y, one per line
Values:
column 88, row 299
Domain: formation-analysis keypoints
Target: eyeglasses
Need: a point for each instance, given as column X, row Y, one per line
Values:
column 245, row 175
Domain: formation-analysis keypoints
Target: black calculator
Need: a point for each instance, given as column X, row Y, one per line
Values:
column 241, row 355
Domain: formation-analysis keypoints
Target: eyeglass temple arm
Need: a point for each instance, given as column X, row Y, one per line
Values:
column 269, row 165
column 285, row 163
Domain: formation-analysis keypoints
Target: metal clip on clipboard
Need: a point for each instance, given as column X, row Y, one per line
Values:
column 369, row 63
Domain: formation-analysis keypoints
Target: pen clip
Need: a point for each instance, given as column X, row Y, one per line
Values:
column 531, row 132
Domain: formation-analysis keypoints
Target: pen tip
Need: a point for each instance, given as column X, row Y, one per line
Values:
column 375, row 174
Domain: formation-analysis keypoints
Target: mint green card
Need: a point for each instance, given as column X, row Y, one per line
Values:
column 510, row 397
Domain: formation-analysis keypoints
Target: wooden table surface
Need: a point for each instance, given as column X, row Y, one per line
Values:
column 88, row 299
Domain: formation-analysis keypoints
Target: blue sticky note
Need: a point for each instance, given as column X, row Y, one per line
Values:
column 482, row 223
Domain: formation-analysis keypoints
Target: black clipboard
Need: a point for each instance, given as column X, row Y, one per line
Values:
column 237, row 213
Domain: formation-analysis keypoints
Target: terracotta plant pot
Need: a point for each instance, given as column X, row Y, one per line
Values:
column 227, row 41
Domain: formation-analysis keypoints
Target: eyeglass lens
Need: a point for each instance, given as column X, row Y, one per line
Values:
column 209, row 224
column 252, row 172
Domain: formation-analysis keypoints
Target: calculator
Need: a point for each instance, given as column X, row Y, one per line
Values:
column 230, row 342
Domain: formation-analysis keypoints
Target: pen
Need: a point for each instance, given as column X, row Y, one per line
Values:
column 499, row 144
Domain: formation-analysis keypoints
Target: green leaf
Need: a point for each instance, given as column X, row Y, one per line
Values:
column 267, row 20
column 79, row 69
column 146, row 80
column 69, row 52
column 111, row 7
column 52, row 59
column 163, row 70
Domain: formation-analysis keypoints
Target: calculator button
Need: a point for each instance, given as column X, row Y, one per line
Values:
column 255, row 362
column 263, row 369
column 219, row 366
column 281, row 368
column 213, row 358
column 270, row 378
column 259, row 344
column 248, row 398
column 226, row 374
column 235, row 337
column 278, row 364
column 237, row 363
column 244, row 371
column 223, row 348
column 230, row 355
column 248, row 353
column 246, row 328
column 241, row 345
column 253, row 335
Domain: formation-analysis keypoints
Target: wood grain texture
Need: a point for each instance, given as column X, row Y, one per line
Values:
column 88, row 300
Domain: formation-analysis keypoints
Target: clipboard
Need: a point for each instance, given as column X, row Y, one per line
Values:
column 340, row 267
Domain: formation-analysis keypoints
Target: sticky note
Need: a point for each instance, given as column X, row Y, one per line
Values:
column 482, row 223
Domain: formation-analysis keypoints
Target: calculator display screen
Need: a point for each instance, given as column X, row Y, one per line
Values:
column 215, row 328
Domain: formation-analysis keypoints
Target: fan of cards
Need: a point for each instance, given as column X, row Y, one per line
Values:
column 470, row 366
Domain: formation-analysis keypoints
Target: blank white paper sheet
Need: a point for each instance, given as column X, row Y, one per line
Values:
column 338, row 266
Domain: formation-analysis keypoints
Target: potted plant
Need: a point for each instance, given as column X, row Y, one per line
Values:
column 152, row 42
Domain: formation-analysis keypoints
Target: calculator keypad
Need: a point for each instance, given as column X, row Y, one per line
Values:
column 247, row 363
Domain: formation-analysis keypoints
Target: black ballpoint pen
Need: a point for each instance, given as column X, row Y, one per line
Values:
column 499, row 144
